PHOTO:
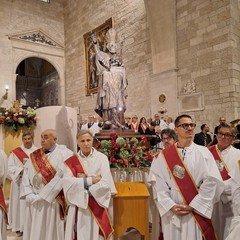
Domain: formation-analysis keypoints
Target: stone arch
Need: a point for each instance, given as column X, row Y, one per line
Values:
column 57, row 65
column 26, row 45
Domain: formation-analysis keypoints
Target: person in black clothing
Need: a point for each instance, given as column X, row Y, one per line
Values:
column 155, row 138
column 203, row 138
column 222, row 120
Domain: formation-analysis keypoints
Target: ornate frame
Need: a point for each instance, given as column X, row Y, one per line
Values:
column 90, row 66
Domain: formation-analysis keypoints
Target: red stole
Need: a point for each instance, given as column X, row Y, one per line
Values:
column 220, row 163
column 20, row 154
column 134, row 126
column 42, row 165
column 187, row 188
column 2, row 202
column 144, row 127
column 100, row 214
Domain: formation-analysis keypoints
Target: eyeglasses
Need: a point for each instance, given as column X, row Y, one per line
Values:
column 187, row 125
column 166, row 139
column 225, row 135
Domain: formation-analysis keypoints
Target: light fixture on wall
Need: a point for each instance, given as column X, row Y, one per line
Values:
column 5, row 96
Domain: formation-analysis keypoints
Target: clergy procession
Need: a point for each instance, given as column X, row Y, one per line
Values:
column 59, row 195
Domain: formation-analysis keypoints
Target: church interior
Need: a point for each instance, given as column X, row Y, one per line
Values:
column 181, row 56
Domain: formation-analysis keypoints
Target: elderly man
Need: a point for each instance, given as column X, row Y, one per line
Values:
column 169, row 138
column 88, row 187
column 42, row 187
column 226, row 157
column 3, row 211
column 16, row 162
column 188, row 184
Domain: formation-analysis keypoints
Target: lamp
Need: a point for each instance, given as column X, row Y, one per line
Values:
column 5, row 96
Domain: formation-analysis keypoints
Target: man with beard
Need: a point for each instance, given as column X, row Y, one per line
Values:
column 188, row 184
column 16, row 162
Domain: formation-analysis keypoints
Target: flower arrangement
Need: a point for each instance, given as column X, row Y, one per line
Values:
column 16, row 117
column 126, row 152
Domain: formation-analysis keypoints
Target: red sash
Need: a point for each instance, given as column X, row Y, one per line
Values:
column 20, row 154
column 135, row 126
column 42, row 165
column 144, row 127
column 220, row 163
column 2, row 202
column 100, row 214
column 187, row 188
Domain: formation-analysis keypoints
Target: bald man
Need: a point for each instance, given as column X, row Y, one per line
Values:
column 42, row 188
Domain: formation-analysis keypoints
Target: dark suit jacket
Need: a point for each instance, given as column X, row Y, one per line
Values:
column 199, row 138
column 215, row 131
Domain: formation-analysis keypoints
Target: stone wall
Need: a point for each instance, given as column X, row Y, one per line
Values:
column 208, row 52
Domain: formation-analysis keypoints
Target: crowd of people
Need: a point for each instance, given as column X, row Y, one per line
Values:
column 56, row 194
column 196, row 185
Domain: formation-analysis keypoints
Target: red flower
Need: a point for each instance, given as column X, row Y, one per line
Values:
column 144, row 139
column 149, row 157
column 113, row 135
column 135, row 150
column 113, row 160
column 114, row 145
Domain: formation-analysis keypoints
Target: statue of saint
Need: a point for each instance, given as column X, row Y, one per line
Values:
column 112, row 84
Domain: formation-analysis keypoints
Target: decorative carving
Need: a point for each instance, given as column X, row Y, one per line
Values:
column 190, row 87
column 37, row 37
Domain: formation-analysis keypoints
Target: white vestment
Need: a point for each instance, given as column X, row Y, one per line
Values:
column 201, row 165
column 93, row 129
column 43, row 220
column 17, row 206
column 3, row 173
column 77, row 196
column 234, row 231
column 223, row 213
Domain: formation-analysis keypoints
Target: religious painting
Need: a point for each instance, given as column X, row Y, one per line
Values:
column 92, row 78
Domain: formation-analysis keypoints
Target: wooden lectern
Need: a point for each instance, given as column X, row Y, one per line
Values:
column 130, row 206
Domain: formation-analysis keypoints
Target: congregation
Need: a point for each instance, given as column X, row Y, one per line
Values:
column 56, row 194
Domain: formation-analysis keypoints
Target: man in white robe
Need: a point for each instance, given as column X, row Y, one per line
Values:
column 16, row 161
column 235, row 186
column 95, row 182
column 3, row 216
column 168, row 137
column 176, row 215
column 227, row 157
column 42, row 187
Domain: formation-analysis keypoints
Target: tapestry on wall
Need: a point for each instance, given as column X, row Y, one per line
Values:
column 91, row 70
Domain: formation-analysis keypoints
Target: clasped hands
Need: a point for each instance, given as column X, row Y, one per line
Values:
column 33, row 198
column 96, row 179
column 181, row 210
